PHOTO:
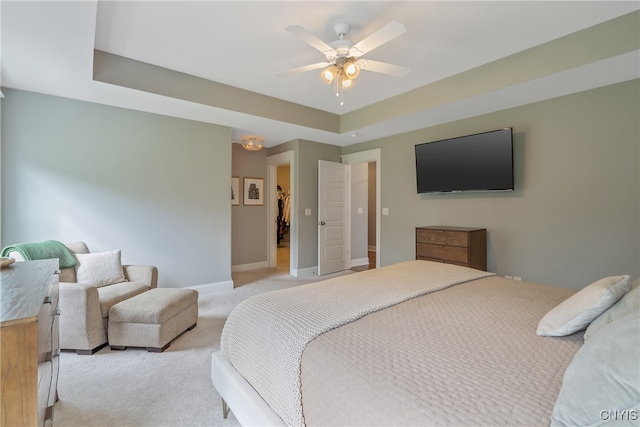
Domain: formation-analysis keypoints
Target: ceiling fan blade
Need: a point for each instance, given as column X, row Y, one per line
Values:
column 311, row 40
column 390, row 31
column 302, row 69
column 383, row 67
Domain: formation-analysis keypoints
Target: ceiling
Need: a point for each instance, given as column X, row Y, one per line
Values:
column 48, row 47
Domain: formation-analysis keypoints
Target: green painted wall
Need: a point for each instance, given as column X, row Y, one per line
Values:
column 151, row 185
column 114, row 178
column 575, row 214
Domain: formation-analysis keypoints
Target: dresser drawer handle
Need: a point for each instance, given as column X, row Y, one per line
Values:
column 47, row 299
column 56, row 272
column 57, row 313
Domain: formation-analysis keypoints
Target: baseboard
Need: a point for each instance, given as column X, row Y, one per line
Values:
column 371, row 248
column 305, row 272
column 359, row 262
column 209, row 288
column 246, row 267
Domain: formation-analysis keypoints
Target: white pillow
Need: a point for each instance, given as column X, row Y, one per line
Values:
column 100, row 268
column 600, row 385
column 629, row 303
column 576, row 312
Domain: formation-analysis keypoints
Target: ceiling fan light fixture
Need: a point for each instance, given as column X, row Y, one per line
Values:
column 343, row 57
column 351, row 70
column 329, row 73
column 252, row 143
column 347, row 83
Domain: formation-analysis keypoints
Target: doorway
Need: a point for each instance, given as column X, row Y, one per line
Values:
column 283, row 218
column 282, row 243
column 372, row 159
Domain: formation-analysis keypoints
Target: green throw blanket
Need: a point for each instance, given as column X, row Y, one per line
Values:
column 43, row 250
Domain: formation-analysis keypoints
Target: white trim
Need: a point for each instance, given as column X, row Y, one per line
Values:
column 359, row 262
column 374, row 155
column 248, row 267
column 305, row 272
column 209, row 288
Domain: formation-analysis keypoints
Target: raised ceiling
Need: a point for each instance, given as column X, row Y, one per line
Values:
column 466, row 58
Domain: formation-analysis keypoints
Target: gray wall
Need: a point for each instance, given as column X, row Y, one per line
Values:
column 249, row 223
column 153, row 186
column 575, row 214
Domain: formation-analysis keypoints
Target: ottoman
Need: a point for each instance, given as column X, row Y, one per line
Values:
column 152, row 319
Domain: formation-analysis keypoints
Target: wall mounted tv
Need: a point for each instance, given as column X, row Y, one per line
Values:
column 472, row 163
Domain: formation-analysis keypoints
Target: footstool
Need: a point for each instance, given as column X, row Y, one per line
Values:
column 152, row 319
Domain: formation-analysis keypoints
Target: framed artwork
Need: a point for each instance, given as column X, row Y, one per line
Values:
column 253, row 191
column 235, row 190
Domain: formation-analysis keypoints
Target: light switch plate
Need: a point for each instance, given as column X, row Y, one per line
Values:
column 385, row 211
column 307, row 212
column 360, row 210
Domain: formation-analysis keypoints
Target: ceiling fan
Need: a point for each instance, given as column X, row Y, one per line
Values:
column 343, row 57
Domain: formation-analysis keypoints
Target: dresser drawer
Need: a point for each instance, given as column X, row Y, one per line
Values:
column 45, row 370
column 447, row 253
column 44, row 333
column 442, row 237
column 453, row 245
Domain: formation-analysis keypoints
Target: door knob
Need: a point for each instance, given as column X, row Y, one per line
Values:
column 321, row 223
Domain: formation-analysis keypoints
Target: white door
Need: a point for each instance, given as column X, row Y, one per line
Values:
column 333, row 184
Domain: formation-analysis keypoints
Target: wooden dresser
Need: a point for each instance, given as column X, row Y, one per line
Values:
column 453, row 245
column 29, row 352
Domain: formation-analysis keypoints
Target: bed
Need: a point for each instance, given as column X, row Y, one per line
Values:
column 420, row 343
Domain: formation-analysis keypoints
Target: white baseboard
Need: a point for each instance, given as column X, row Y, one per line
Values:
column 208, row 288
column 371, row 248
column 359, row 262
column 246, row 267
column 305, row 272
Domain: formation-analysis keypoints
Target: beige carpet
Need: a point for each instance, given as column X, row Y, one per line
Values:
column 173, row 388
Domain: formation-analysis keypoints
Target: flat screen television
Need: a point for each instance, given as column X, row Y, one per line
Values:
column 473, row 163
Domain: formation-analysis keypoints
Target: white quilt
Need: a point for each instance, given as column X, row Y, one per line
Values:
column 265, row 336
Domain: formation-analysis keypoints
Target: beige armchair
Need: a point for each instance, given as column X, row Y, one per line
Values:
column 84, row 308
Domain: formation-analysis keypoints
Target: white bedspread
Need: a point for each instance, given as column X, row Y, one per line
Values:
column 464, row 356
column 265, row 336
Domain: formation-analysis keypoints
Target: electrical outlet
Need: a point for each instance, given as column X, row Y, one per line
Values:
column 385, row 211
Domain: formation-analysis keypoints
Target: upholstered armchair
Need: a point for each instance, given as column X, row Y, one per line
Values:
column 90, row 289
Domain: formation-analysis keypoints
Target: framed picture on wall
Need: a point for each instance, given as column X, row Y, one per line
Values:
column 253, row 191
column 235, row 190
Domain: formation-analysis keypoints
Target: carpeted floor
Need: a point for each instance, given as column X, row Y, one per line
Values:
column 173, row 388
